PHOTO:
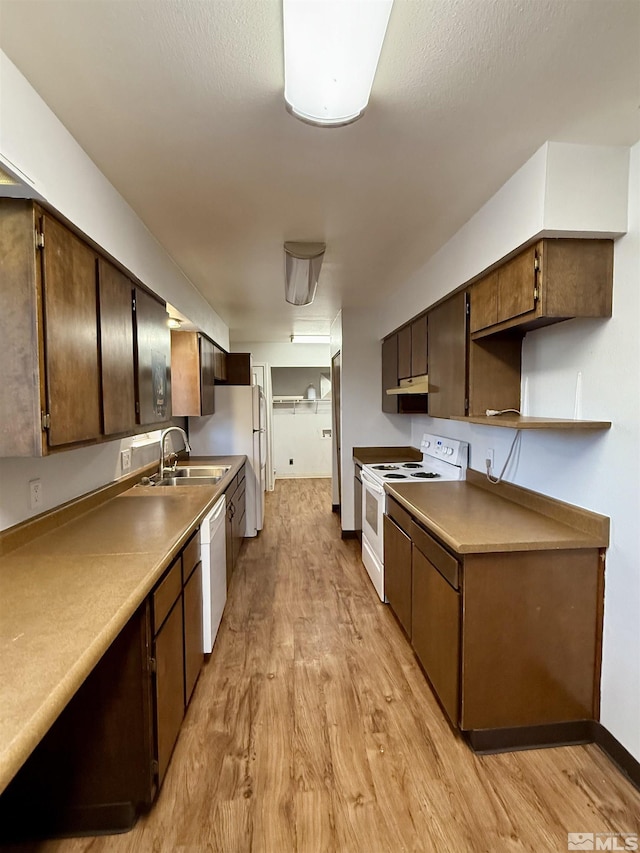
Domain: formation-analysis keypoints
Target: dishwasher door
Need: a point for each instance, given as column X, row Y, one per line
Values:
column 214, row 572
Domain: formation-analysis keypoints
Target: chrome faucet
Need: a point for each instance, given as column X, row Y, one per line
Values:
column 163, row 435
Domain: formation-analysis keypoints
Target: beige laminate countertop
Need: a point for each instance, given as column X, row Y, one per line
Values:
column 66, row 595
column 470, row 519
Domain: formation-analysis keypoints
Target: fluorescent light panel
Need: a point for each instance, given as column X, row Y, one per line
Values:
column 331, row 51
column 310, row 339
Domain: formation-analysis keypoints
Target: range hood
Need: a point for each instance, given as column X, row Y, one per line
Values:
column 415, row 385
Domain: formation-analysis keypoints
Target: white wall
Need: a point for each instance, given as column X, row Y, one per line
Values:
column 34, row 141
column 286, row 354
column 299, row 437
column 579, row 368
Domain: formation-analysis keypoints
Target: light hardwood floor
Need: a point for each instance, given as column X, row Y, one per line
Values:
column 313, row 729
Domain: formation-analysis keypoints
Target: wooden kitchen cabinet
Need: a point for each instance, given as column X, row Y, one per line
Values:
column 447, row 355
column 435, row 618
column 397, row 348
column 219, row 364
column 153, row 359
column 553, row 280
column 397, row 563
column 116, row 349
column 390, row 402
column 192, row 374
column 192, row 609
column 412, row 348
column 357, row 501
column 235, row 520
column 168, row 654
column 238, row 368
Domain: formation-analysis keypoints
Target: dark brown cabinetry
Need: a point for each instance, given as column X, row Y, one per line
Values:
column 192, row 611
column 68, row 341
column 447, row 346
column 235, row 521
column 168, row 654
column 106, row 756
column 116, row 349
column 404, row 357
column 390, row 402
column 219, row 364
column 553, row 280
column 152, row 359
column 509, row 641
column 397, row 563
column 238, row 368
column 435, row 608
column 357, row 501
column 192, row 374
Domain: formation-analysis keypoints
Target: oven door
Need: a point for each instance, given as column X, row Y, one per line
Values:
column 373, row 501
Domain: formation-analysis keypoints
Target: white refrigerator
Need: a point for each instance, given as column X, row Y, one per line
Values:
column 237, row 427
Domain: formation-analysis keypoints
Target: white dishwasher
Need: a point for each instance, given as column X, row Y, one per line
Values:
column 214, row 572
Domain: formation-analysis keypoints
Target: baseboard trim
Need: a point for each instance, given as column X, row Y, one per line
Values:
column 620, row 755
column 530, row 737
column 487, row 741
column 349, row 534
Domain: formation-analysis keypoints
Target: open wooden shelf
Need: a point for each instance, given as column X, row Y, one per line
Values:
column 527, row 422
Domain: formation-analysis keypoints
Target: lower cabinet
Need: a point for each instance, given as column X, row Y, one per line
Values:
column 357, row 502
column 103, row 760
column 509, row 641
column 235, row 522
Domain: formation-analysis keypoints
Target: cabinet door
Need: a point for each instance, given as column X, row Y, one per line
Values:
column 193, row 651
column 153, row 359
column 397, row 572
column 219, row 364
column 116, row 349
column 228, row 536
column 404, row 353
column 357, row 505
column 239, row 520
column 484, row 303
column 435, row 626
column 389, row 374
column 517, row 286
column 447, row 346
column 169, row 685
column 71, row 336
column 207, row 376
column 419, row 346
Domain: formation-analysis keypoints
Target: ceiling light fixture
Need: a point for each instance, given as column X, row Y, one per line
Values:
column 302, row 262
column 310, row 339
column 331, row 51
column 174, row 323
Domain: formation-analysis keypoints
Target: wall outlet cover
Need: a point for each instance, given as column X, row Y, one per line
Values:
column 125, row 460
column 35, row 494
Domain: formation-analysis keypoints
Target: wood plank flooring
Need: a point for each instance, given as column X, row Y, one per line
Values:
column 312, row 728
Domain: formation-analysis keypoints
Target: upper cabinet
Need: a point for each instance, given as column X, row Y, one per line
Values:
column 553, row 280
column 404, row 359
column 116, row 349
column 153, row 359
column 448, row 357
column 76, row 358
column 192, row 374
column 70, row 327
column 412, row 349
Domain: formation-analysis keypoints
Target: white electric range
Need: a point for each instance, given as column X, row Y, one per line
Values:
column 443, row 460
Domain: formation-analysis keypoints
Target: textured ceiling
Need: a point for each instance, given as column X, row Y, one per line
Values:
column 180, row 105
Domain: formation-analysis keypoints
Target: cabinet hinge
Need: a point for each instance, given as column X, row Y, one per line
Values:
column 39, row 240
column 155, row 768
column 153, row 666
column 46, row 421
column 137, row 407
column 466, row 404
column 133, row 303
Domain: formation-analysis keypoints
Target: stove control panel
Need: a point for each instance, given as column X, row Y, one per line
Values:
column 450, row 449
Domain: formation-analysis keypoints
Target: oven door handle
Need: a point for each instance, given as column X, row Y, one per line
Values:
column 371, row 485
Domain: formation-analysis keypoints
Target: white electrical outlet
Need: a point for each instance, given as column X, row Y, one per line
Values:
column 125, row 460
column 35, row 494
column 489, row 458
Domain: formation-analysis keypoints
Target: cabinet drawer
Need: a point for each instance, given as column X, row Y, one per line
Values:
column 166, row 593
column 438, row 556
column 190, row 556
column 399, row 515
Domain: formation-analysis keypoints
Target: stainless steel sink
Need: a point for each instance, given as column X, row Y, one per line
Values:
column 186, row 481
column 198, row 471
column 189, row 475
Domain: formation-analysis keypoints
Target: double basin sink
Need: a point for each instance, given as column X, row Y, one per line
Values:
column 189, row 475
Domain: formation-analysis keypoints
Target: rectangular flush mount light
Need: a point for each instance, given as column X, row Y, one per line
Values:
column 310, row 339
column 331, row 51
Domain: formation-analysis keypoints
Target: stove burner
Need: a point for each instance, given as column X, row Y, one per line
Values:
column 395, row 476
column 385, row 467
column 412, row 465
column 426, row 475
